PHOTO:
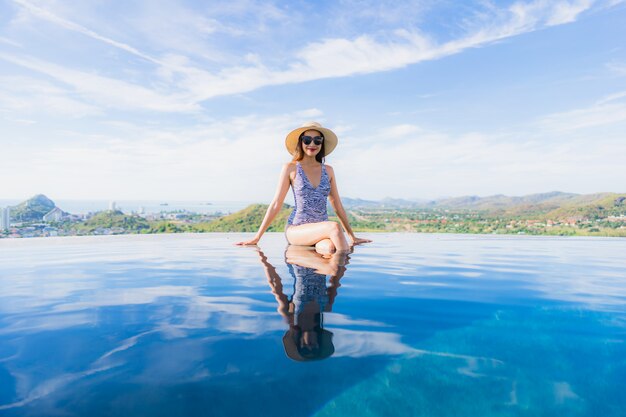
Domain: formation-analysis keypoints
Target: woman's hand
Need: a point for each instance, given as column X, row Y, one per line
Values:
column 357, row 240
column 253, row 241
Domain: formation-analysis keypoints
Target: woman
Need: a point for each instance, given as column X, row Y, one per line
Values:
column 306, row 339
column 308, row 224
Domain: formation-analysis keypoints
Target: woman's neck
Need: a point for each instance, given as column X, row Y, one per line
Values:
column 309, row 160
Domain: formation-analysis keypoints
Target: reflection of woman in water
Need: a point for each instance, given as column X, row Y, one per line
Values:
column 306, row 338
column 308, row 224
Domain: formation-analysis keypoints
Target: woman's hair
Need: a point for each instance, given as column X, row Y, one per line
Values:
column 299, row 153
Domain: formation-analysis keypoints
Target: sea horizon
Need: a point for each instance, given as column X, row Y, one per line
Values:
column 84, row 206
column 208, row 206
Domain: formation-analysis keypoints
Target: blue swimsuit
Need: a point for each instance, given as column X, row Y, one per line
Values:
column 308, row 286
column 310, row 202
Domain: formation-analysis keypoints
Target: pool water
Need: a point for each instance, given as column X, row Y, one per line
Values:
column 409, row 325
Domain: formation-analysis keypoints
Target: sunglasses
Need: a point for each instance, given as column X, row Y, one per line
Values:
column 308, row 139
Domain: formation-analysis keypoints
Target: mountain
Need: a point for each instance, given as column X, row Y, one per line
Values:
column 591, row 206
column 249, row 220
column 348, row 202
column 384, row 203
column 402, row 203
column 496, row 202
column 33, row 209
column 500, row 201
column 114, row 218
column 550, row 205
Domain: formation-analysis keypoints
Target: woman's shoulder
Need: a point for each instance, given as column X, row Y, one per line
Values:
column 330, row 172
column 289, row 167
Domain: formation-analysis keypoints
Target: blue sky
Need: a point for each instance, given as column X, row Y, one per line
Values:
column 192, row 100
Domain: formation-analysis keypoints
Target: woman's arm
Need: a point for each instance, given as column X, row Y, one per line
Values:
column 335, row 201
column 276, row 284
column 275, row 206
column 340, row 259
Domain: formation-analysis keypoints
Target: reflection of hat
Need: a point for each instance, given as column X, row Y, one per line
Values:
column 330, row 139
column 291, row 341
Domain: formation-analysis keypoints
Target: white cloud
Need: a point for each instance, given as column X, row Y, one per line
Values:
column 27, row 96
column 606, row 111
column 434, row 164
column 400, row 130
column 309, row 114
column 240, row 159
column 9, row 42
column 358, row 343
column 566, row 12
column 45, row 14
column 236, row 159
column 104, row 91
column 618, row 68
column 173, row 27
column 341, row 57
column 187, row 84
column 598, row 115
column 612, row 97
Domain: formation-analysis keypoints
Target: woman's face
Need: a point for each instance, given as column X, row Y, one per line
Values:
column 311, row 149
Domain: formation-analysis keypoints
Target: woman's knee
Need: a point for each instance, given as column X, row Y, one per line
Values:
column 337, row 233
column 314, row 232
column 333, row 227
column 325, row 246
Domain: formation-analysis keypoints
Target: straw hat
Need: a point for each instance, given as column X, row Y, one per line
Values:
column 291, row 342
column 330, row 139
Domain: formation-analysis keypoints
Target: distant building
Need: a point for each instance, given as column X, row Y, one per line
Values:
column 112, row 206
column 5, row 218
column 54, row 215
column 50, row 231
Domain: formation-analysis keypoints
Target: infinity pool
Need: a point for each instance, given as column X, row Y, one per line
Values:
column 409, row 325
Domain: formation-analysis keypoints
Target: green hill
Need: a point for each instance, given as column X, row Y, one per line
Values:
column 592, row 206
column 551, row 205
column 502, row 202
column 33, row 209
column 248, row 220
column 114, row 218
column 527, row 205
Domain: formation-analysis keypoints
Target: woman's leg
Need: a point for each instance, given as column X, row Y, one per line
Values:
column 325, row 247
column 310, row 234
